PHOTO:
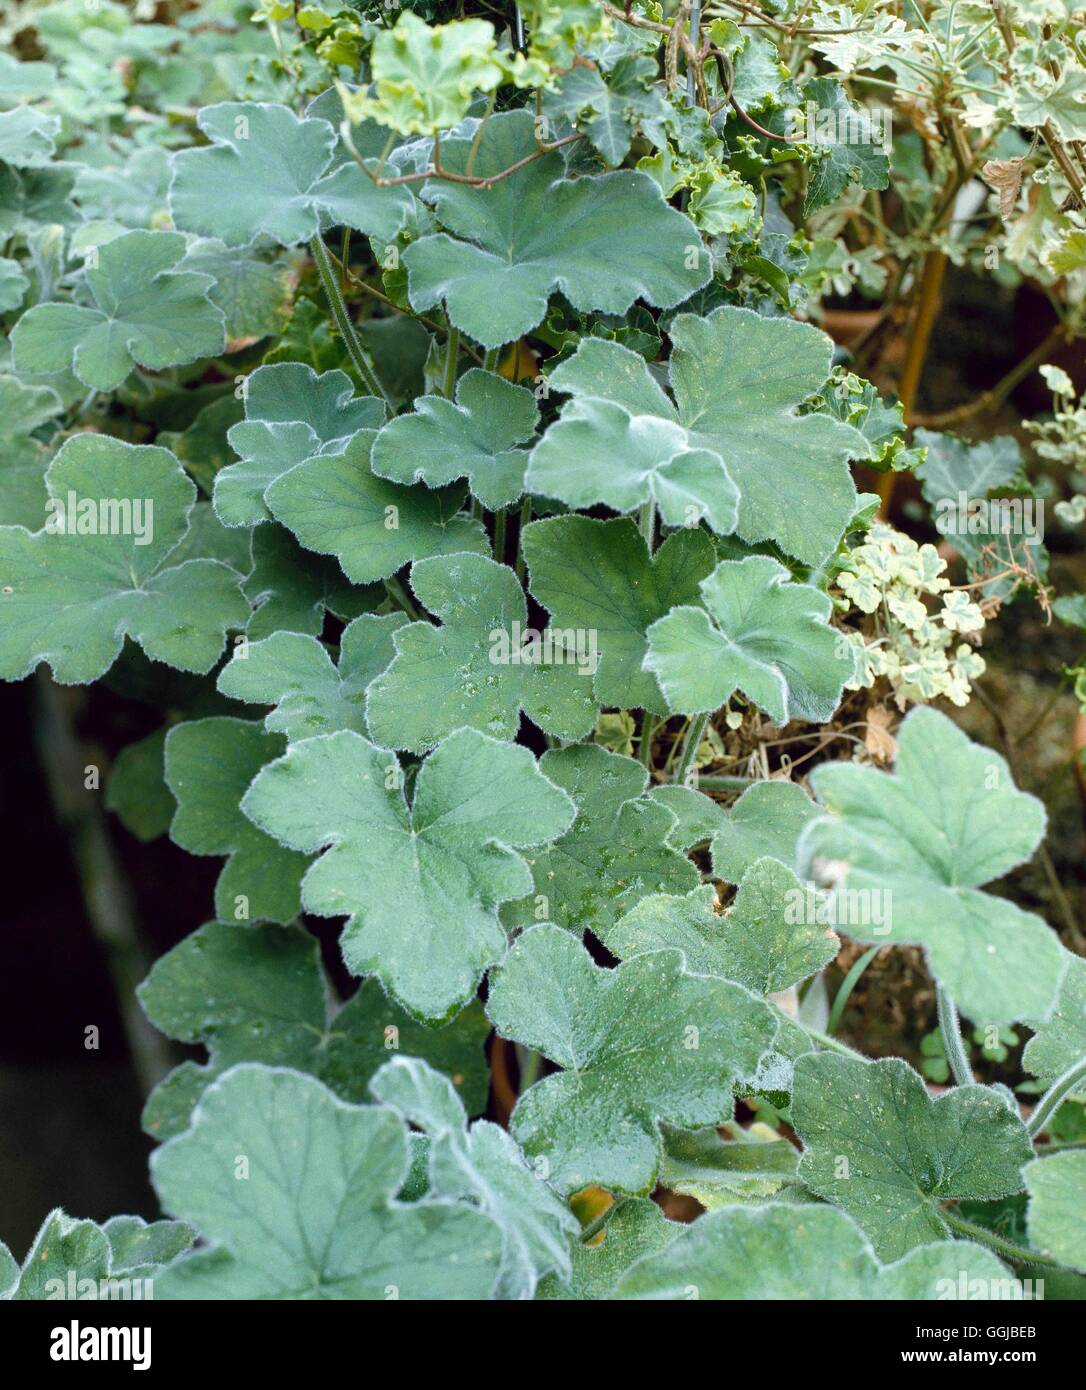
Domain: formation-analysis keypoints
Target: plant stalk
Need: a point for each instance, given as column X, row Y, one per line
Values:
column 338, row 306
column 951, row 1029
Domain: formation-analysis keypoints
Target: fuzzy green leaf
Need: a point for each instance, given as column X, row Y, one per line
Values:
column 336, row 506
column 70, row 600
column 209, row 765
column 258, row 994
column 475, row 439
column 145, row 314
column 878, row 1145
column 948, row 821
column 78, row 1259
column 783, row 1252
column 615, row 853
column 322, row 1175
column 420, row 883
column 762, row 635
column 1057, row 1221
column 603, row 241
column 470, row 672
column 637, row 1045
column 598, row 576
column 768, row 819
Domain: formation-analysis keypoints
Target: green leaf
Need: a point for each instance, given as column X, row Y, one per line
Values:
column 425, row 78
column 643, row 1043
column 851, row 146
column 70, row 600
column 13, row 285
column 74, row 1259
column 292, row 589
column 762, row 635
column 1059, row 1041
column 877, row 1144
column 482, row 1165
column 336, row 506
column 470, row 672
column 637, row 1228
column 603, row 241
column 765, row 940
column 1060, row 101
column 258, row 994
column 24, row 409
column 421, row 884
column 253, row 293
column 275, row 168
column 738, row 380
column 209, row 764
column 27, row 137
column 291, row 414
column 137, row 789
column 955, row 465
column 618, row 442
column 768, row 819
column 784, row 1252
column 611, row 111
column 475, row 439
column 146, row 314
column 599, row 576
column 948, row 821
column 1057, row 1225
column 699, row 817
column 700, row 1164
column 321, row 1175
column 311, row 694
column 615, row 852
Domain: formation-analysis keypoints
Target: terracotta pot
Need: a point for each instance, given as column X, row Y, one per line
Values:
column 848, row 326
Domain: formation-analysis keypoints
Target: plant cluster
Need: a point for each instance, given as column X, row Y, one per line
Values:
column 425, row 412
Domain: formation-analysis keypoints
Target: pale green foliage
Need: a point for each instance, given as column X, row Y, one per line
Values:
column 1057, row 1225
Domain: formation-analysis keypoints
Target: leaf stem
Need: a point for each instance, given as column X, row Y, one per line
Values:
column 402, row 599
column 596, row 1225
column 1009, row 1249
column 951, row 1029
column 452, row 354
column 525, row 518
column 499, row 534
column 694, row 731
column 1054, row 1097
column 336, row 303
column 848, row 984
column 644, row 748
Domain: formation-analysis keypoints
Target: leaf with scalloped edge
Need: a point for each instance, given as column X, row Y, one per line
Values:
column 758, row 633
column 877, row 1144
column 1057, row 1215
column 698, row 816
column 602, row 241
column 266, row 170
column 27, row 137
column 258, row 994
column 738, row 380
column 765, row 939
column 768, row 819
column 209, row 765
column 948, row 820
column 71, row 600
column 24, row 409
column 719, row 1172
column 476, row 438
column 599, row 576
column 615, row 853
column 637, row 1228
column 291, row 414
column 136, row 790
column 643, row 1043
column 292, row 589
column 618, row 442
column 311, row 693
column 335, row 505
column 781, row 1251
column 1059, row 1041
column 421, row 883
column 145, row 314
column 322, row 1175
column 71, row 1258
column 470, row 672
column 482, row 1165
column 851, row 147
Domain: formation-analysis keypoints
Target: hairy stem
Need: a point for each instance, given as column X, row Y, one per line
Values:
column 338, row 306
column 951, row 1029
column 694, row 731
column 1054, row 1097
